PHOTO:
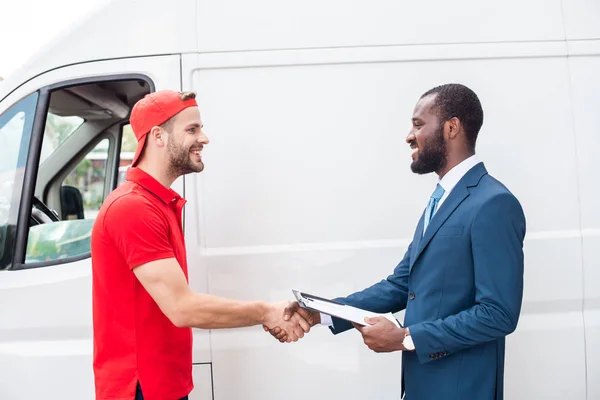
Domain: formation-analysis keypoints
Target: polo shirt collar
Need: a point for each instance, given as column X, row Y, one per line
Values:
column 145, row 180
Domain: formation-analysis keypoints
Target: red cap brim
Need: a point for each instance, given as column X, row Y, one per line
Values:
column 138, row 151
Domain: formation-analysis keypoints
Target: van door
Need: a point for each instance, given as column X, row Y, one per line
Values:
column 66, row 145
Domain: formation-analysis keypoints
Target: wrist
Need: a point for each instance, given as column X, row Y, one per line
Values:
column 265, row 311
column 316, row 317
column 407, row 342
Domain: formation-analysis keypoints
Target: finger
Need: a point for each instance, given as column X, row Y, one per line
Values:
column 303, row 324
column 276, row 330
column 374, row 320
column 360, row 328
column 294, row 334
column 281, row 335
column 296, row 331
column 308, row 315
column 290, row 310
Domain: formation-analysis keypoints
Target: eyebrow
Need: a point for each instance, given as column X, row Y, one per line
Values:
column 195, row 125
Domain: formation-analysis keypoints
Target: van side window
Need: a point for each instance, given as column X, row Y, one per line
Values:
column 78, row 167
column 16, row 124
column 81, row 195
column 57, row 131
column 82, row 191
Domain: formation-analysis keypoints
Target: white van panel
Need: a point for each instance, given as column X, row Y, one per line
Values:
column 307, row 143
column 271, row 24
column 307, row 184
column 202, row 376
column 581, row 19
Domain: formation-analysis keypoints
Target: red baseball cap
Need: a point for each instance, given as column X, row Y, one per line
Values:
column 153, row 110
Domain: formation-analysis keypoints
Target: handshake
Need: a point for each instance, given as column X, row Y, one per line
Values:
column 288, row 322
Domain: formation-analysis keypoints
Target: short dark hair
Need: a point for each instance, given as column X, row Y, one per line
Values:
column 168, row 124
column 456, row 100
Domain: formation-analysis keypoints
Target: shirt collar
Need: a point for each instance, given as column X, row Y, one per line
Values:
column 145, row 180
column 455, row 174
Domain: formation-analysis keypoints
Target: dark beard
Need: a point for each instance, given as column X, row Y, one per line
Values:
column 179, row 161
column 432, row 157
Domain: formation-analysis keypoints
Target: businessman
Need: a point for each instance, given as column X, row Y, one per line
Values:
column 143, row 308
column 461, row 279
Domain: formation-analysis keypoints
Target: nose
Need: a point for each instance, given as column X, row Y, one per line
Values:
column 203, row 138
column 410, row 137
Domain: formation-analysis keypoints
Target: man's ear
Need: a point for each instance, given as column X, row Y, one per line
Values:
column 453, row 126
column 158, row 135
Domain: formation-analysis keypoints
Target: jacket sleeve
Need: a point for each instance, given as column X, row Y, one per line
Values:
column 389, row 295
column 497, row 234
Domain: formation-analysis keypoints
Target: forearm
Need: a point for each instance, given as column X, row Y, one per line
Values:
column 388, row 295
column 211, row 312
column 382, row 297
column 477, row 325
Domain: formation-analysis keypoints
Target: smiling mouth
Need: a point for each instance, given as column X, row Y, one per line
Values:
column 415, row 149
column 196, row 152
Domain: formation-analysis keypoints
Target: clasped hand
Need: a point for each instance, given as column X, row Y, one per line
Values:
column 380, row 334
column 287, row 322
column 294, row 322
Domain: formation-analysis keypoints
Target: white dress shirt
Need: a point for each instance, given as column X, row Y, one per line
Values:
column 448, row 182
column 454, row 175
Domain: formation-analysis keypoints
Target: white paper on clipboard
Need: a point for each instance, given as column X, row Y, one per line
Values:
column 338, row 310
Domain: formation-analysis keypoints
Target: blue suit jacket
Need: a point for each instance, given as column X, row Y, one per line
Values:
column 461, row 285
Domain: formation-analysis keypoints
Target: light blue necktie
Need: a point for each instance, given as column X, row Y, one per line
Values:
column 432, row 205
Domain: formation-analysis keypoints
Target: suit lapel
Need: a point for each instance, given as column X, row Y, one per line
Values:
column 417, row 240
column 455, row 198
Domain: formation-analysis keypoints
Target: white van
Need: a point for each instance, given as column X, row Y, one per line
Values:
column 307, row 182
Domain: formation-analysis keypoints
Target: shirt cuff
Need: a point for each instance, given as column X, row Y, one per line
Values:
column 326, row 319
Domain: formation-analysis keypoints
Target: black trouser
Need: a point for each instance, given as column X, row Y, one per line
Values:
column 140, row 396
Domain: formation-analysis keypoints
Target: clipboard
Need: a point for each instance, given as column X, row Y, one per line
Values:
column 337, row 309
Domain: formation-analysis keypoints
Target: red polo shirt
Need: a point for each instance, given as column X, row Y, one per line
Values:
column 139, row 222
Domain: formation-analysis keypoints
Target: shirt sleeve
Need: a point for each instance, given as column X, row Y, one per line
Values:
column 326, row 320
column 139, row 230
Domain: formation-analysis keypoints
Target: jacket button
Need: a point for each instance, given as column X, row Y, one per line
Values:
column 411, row 296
